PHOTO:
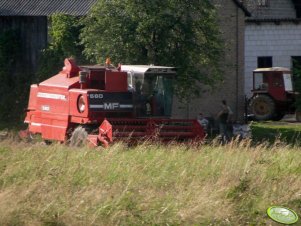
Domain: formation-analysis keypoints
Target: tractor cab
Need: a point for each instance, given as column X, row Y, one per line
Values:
column 152, row 87
column 273, row 93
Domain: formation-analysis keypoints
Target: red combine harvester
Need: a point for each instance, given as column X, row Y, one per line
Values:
column 97, row 103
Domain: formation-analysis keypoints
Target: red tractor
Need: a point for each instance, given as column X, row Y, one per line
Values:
column 273, row 93
column 96, row 103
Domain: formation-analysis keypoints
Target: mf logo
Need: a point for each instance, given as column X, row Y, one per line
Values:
column 110, row 106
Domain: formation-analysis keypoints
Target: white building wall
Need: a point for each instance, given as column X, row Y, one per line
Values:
column 268, row 39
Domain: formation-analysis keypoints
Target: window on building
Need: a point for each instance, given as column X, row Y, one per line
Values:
column 297, row 4
column 298, row 11
column 263, row 3
column 264, row 62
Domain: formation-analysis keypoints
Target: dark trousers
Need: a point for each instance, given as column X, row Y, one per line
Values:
column 225, row 132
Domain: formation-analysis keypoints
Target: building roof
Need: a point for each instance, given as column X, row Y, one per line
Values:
column 45, row 7
column 240, row 5
column 276, row 11
column 49, row 7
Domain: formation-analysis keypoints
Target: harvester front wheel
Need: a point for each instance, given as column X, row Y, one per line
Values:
column 263, row 107
column 79, row 136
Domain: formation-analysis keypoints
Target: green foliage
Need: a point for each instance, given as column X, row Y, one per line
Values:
column 183, row 34
column 297, row 82
column 64, row 35
column 272, row 131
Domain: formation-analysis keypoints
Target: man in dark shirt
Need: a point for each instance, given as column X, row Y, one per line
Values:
column 224, row 118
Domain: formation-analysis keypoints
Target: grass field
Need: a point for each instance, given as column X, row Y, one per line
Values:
column 149, row 184
column 270, row 131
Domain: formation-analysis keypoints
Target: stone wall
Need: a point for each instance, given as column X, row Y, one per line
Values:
column 231, row 20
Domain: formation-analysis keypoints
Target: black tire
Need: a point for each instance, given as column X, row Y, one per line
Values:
column 78, row 137
column 263, row 107
column 278, row 116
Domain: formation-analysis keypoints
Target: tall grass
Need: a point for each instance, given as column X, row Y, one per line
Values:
column 149, row 184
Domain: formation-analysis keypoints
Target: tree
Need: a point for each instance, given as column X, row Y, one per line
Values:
column 296, row 69
column 64, row 32
column 176, row 33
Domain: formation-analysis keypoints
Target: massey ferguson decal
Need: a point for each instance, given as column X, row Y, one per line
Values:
column 110, row 101
column 52, row 96
column 111, row 106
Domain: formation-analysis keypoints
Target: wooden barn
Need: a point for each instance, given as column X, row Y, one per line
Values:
column 28, row 18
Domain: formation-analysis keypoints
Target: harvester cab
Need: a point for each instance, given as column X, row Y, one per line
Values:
column 273, row 93
column 97, row 103
column 153, row 89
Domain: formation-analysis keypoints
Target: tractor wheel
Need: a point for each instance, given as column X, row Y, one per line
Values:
column 278, row 116
column 298, row 116
column 263, row 107
column 79, row 136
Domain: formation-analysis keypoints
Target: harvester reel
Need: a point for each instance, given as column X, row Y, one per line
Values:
column 79, row 136
column 263, row 107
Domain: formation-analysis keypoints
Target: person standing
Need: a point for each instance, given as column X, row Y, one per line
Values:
column 224, row 117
